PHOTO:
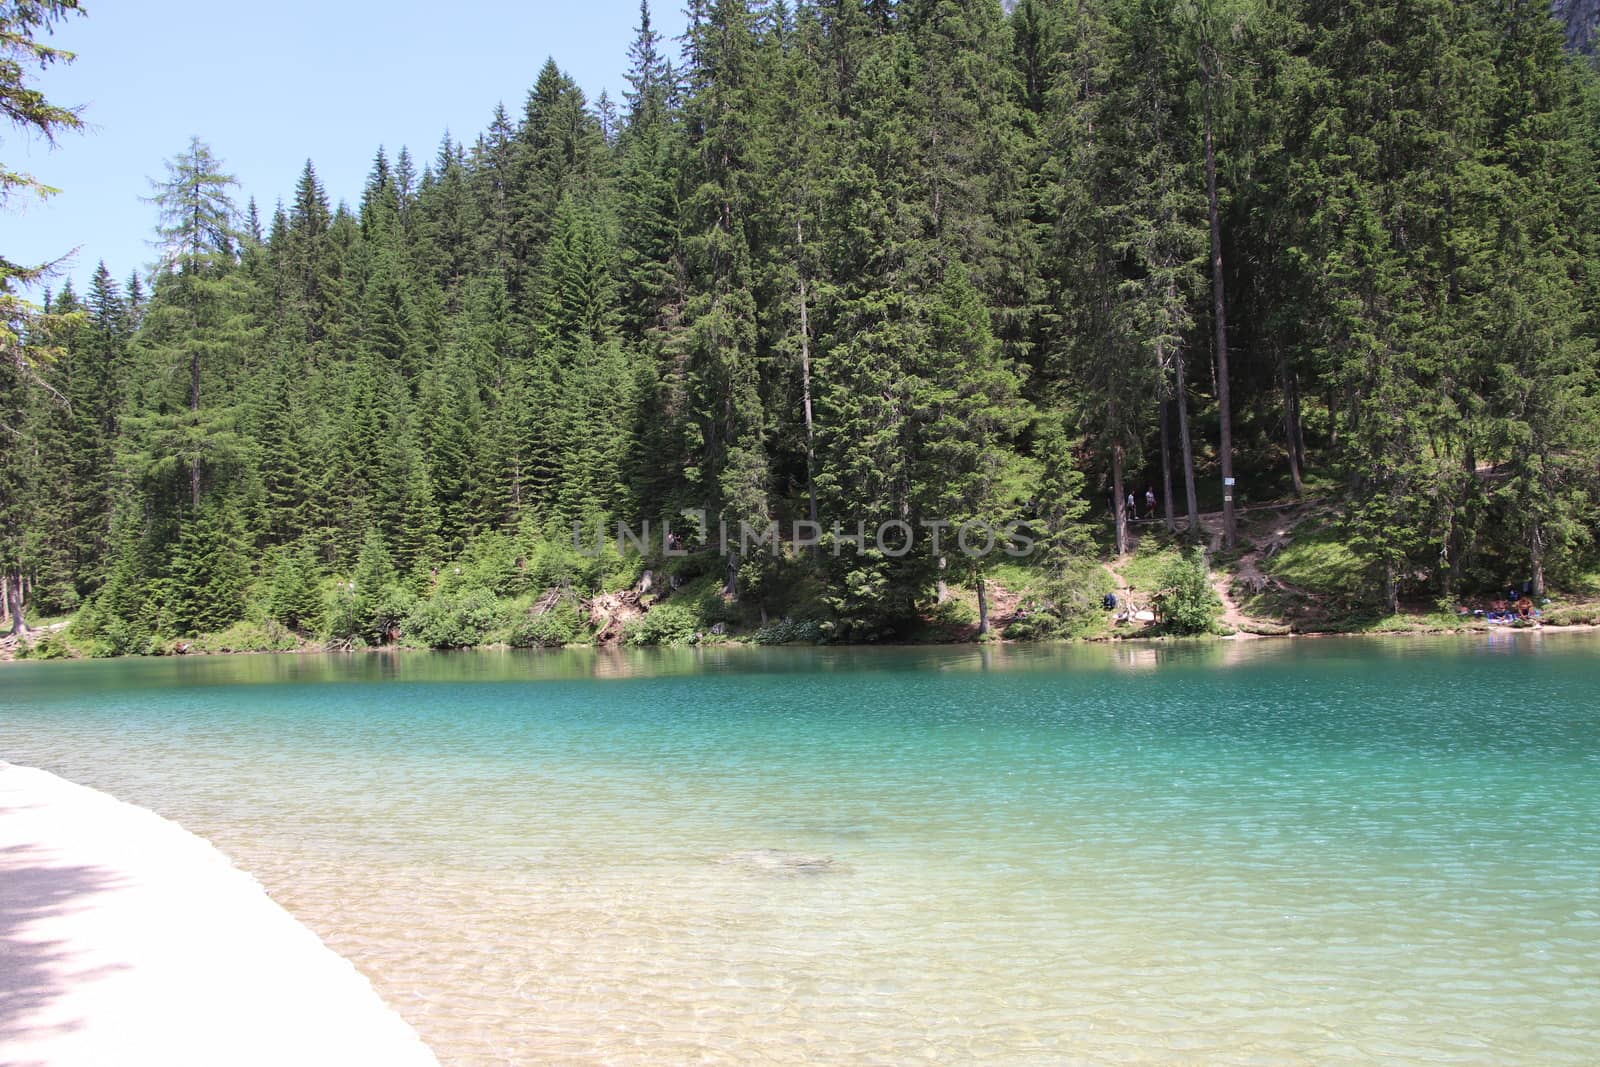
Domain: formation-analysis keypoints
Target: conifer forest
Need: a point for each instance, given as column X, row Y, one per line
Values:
column 1124, row 272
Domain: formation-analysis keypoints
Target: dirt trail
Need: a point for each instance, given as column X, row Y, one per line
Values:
column 1268, row 529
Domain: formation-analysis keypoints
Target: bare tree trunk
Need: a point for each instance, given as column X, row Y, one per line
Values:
column 1536, row 551
column 1291, row 423
column 1119, row 498
column 1186, row 444
column 805, row 377
column 1230, row 528
column 194, row 405
column 15, row 601
column 983, row 606
column 943, row 587
column 1166, row 466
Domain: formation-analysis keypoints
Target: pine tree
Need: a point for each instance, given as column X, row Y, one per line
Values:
column 209, row 573
column 717, row 374
column 282, row 458
column 559, row 150
column 493, row 157
column 23, row 53
column 294, row 595
column 311, row 265
column 193, row 325
column 969, row 414
column 98, row 358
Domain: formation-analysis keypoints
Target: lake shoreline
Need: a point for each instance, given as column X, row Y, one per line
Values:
column 7, row 654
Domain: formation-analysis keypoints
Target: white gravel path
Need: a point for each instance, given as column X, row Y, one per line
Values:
column 125, row 940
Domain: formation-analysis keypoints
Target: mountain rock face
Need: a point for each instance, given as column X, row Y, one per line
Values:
column 1582, row 21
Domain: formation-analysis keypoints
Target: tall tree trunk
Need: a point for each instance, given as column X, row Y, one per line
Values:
column 1536, row 551
column 194, row 406
column 1119, row 496
column 1166, row 466
column 1230, row 529
column 1294, row 439
column 805, row 377
column 983, row 607
column 15, row 601
column 1186, row 445
column 1461, row 530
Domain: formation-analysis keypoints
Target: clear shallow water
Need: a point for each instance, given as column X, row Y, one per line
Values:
column 1271, row 852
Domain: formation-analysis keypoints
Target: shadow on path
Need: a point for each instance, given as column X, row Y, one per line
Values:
column 35, row 972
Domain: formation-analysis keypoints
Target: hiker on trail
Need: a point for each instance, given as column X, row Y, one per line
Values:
column 1133, row 509
column 1150, row 501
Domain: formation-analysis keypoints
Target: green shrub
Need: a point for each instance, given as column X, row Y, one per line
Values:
column 789, row 632
column 617, row 573
column 1075, row 594
column 561, row 625
column 671, row 623
column 87, row 623
column 209, row 573
column 1189, row 605
column 865, row 600
column 373, row 603
column 1587, row 615
column 121, row 637
column 51, row 645
column 248, row 636
column 1038, row 625
column 1147, row 569
column 370, row 617
column 456, row 618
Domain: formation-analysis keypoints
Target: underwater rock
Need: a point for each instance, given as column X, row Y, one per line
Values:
column 779, row 862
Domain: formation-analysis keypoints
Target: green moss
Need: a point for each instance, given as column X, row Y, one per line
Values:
column 1323, row 563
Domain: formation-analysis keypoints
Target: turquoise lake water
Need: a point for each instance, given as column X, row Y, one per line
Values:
column 1272, row 852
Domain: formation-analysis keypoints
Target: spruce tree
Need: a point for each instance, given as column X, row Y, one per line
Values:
column 209, row 573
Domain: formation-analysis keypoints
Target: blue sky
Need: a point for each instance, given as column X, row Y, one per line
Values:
column 268, row 85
